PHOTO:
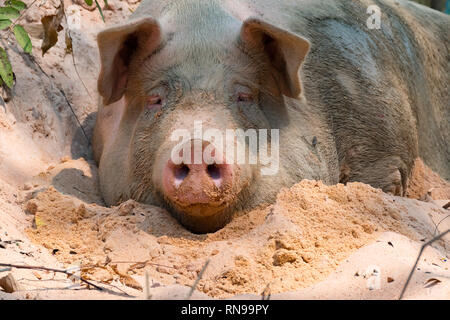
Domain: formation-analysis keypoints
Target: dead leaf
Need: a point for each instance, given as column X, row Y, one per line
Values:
column 432, row 282
column 389, row 279
column 130, row 282
column 69, row 49
column 138, row 265
column 126, row 279
column 9, row 284
column 52, row 25
column 97, row 273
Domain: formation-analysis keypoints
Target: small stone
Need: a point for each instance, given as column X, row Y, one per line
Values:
column 207, row 287
column 283, row 256
column 126, row 208
column 165, row 270
column 355, row 234
column 163, row 240
column 81, row 211
column 27, row 186
column 283, row 244
column 192, row 267
column 307, row 258
column 367, row 228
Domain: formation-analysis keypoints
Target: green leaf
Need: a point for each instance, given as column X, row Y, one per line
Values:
column 88, row 2
column 5, row 69
column 5, row 24
column 22, row 37
column 8, row 13
column 16, row 4
column 39, row 222
column 100, row 10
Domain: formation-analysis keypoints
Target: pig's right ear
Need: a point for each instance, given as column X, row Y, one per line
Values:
column 284, row 53
column 117, row 46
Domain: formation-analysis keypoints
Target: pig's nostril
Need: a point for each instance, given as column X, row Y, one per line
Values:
column 180, row 173
column 214, row 171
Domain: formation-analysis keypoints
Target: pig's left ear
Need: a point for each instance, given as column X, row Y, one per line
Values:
column 284, row 51
column 117, row 46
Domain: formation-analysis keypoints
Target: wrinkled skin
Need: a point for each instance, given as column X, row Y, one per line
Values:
column 351, row 104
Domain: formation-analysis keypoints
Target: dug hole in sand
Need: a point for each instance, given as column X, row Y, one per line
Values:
column 316, row 241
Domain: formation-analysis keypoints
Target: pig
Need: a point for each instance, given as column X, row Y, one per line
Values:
column 351, row 102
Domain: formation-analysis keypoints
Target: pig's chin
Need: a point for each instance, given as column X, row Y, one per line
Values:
column 202, row 218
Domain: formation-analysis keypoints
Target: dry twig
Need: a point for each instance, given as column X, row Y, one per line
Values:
column 199, row 277
column 70, row 274
column 265, row 295
column 418, row 258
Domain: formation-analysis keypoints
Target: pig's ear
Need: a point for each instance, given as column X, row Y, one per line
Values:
column 284, row 51
column 117, row 46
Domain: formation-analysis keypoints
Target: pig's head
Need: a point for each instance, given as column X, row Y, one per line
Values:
column 173, row 73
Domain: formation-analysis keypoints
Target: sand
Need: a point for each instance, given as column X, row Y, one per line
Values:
column 315, row 241
column 292, row 244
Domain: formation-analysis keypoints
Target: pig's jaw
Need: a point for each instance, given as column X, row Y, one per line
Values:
column 200, row 218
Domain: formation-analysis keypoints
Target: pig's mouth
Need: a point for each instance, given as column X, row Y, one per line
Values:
column 201, row 208
column 201, row 217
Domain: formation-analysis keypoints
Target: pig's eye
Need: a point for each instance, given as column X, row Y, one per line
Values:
column 244, row 97
column 243, row 93
column 154, row 102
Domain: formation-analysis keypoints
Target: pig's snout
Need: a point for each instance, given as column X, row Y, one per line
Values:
column 197, row 174
column 199, row 189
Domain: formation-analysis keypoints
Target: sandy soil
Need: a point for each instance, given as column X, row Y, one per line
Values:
column 316, row 241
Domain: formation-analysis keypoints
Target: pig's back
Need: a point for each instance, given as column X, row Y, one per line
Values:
column 386, row 89
column 432, row 88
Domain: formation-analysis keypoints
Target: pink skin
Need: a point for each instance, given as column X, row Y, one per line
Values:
column 198, row 189
column 154, row 102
